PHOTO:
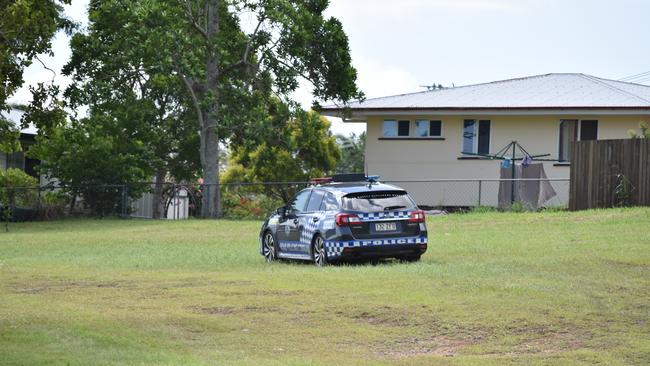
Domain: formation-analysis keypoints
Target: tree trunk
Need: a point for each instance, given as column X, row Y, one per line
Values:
column 158, row 193
column 211, row 200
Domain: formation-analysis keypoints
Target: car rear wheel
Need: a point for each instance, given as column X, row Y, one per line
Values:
column 268, row 247
column 318, row 252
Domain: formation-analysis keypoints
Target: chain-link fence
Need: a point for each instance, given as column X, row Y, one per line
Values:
column 256, row 200
column 55, row 202
column 503, row 193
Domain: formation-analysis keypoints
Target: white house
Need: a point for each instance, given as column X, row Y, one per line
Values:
column 423, row 135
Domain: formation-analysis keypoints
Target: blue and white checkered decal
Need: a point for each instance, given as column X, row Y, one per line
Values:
column 335, row 248
column 310, row 227
column 388, row 215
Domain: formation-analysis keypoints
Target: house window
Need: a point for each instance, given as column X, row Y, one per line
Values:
column 426, row 128
column 394, row 128
column 588, row 130
column 403, row 128
column 571, row 130
column 476, row 136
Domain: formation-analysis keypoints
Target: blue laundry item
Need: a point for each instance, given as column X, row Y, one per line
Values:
column 527, row 160
column 506, row 164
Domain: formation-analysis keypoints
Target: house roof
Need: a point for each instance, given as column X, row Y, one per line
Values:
column 14, row 116
column 549, row 91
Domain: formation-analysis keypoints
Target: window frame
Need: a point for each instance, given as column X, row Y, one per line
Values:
column 582, row 121
column 428, row 121
column 383, row 128
column 410, row 128
column 322, row 197
column 289, row 206
column 331, row 196
column 397, row 123
column 577, row 136
column 476, row 135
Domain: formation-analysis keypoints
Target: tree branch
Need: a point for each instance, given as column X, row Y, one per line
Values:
column 244, row 60
column 192, row 19
column 46, row 68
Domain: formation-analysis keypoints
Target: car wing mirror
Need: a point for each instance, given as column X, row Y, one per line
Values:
column 282, row 211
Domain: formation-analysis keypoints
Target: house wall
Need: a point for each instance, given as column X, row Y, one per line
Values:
column 413, row 159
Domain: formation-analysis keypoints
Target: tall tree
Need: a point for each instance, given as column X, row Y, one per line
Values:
column 114, row 70
column 227, row 51
column 293, row 148
column 26, row 30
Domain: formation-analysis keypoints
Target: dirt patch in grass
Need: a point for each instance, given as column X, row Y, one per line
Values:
column 437, row 346
column 386, row 316
column 66, row 286
column 229, row 310
column 546, row 343
column 217, row 310
column 261, row 293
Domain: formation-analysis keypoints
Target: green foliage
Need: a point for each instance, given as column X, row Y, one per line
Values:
column 483, row 209
column 26, row 30
column 118, row 74
column 517, row 206
column 52, row 204
column 243, row 204
column 230, row 71
column 17, row 190
column 623, row 190
column 352, row 153
column 294, row 151
column 556, row 208
column 9, row 136
column 98, row 151
column 644, row 132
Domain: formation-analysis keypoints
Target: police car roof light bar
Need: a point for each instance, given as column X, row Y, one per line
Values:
column 320, row 180
column 373, row 178
column 349, row 177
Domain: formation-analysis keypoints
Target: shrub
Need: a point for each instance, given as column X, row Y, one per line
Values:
column 53, row 205
column 248, row 206
column 17, row 190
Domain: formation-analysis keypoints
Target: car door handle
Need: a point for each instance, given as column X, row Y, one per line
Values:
column 315, row 219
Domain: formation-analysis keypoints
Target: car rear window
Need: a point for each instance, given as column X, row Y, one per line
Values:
column 378, row 201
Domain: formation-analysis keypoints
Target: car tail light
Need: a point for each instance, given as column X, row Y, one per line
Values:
column 416, row 216
column 344, row 219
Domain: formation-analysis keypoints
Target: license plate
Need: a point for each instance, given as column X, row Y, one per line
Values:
column 386, row 226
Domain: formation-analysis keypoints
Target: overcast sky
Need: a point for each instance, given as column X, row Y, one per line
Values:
column 397, row 46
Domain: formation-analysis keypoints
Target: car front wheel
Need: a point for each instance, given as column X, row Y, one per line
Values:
column 268, row 247
column 318, row 253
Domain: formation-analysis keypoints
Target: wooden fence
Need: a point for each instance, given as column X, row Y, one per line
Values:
column 608, row 173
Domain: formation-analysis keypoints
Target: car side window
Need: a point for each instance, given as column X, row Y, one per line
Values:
column 315, row 200
column 299, row 201
column 329, row 203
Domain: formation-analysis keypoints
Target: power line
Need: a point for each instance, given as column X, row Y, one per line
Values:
column 635, row 76
column 643, row 80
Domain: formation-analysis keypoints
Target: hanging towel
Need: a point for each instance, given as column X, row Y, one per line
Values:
column 532, row 194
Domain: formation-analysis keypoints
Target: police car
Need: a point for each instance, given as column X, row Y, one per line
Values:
column 348, row 216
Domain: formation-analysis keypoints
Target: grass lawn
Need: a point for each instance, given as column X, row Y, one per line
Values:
column 493, row 289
